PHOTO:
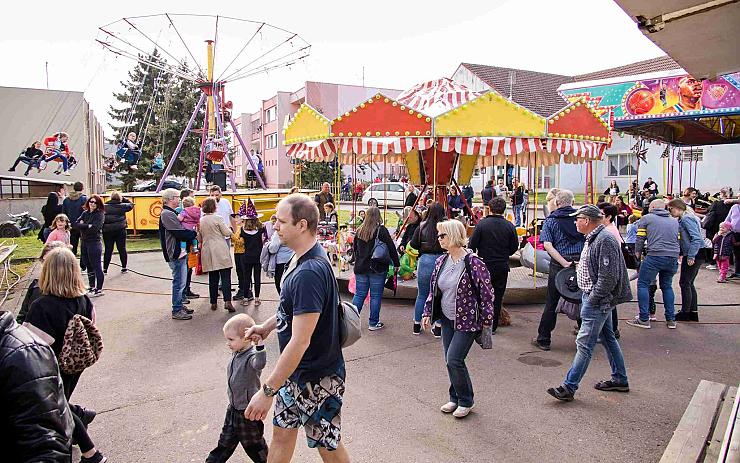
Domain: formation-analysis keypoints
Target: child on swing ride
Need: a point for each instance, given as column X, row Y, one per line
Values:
column 32, row 156
column 58, row 150
column 129, row 151
column 157, row 164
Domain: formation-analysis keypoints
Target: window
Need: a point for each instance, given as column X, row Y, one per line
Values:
column 256, row 126
column 695, row 155
column 270, row 114
column 621, row 165
column 396, row 188
column 13, row 189
column 271, row 141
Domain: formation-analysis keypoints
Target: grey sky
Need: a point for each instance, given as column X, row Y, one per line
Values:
column 398, row 43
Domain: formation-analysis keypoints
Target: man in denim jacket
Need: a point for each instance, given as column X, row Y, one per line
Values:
column 602, row 276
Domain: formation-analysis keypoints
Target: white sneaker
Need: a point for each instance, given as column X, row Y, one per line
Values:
column 462, row 412
column 711, row 267
column 66, row 172
column 653, row 318
column 449, row 407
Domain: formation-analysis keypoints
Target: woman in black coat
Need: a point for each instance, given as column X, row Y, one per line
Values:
column 90, row 225
column 114, row 230
column 50, row 210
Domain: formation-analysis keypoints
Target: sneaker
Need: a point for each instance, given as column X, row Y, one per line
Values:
column 105, row 271
column 711, row 267
column 417, row 331
column 214, row 306
column 188, row 311
column 693, row 316
column 11, row 169
column 561, row 393
column 67, row 174
column 610, row 385
column 462, row 412
column 238, row 297
column 87, row 416
column 249, row 298
column 229, row 307
column 192, row 295
column 671, row 324
column 124, row 270
column 375, row 327
column 257, row 301
column 683, row 316
column 181, row 315
column 133, row 167
column 437, row 331
column 185, row 301
column 449, row 407
column 96, row 293
column 733, row 276
column 540, row 345
column 639, row 323
column 97, row 458
column 653, row 318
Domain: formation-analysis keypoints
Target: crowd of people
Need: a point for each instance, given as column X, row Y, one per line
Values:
column 461, row 284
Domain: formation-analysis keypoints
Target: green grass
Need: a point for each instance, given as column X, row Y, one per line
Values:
column 29, row 246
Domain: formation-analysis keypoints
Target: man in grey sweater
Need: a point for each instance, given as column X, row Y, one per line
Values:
column 171, row 235
column 657, row 240
column 243, row 375
column 602, row 276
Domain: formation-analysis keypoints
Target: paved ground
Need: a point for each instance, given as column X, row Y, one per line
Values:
column 161, row 395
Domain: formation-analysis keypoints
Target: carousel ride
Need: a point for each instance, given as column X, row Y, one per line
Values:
column 235, row 50
column 440, row 131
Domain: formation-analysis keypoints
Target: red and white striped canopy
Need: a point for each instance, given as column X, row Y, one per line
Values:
column 312, row 151
column 386, row 145
column 584, row 149
column 489, row 146
column 436, row 96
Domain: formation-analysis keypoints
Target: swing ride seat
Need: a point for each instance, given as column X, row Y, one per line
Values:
column 126, row 155
column 216, row 153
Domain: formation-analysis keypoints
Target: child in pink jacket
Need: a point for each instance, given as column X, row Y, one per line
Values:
column 190, row 215
column 59, row 230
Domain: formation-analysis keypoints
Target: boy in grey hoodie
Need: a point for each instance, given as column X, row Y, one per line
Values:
column 243, row 375
column 657, row 240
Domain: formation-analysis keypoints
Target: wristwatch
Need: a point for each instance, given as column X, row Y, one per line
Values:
column 269, row 392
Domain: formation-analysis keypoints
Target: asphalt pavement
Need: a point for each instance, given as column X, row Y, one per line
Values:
column 160, row 386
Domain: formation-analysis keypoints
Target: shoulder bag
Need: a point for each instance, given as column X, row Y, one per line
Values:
column 485, row 336
column 381, row 256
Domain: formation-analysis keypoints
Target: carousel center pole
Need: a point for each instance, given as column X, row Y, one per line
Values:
column 536, row 234
column 211, row 113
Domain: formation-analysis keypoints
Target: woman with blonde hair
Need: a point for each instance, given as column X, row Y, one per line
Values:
column 63, row 296
column 550, row 204
column 460, row 298
column 215, row 253
column 370, row 272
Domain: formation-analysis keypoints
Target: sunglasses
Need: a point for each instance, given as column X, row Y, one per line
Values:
column 441, row 236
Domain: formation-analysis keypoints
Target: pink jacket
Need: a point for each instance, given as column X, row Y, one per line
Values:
column 190, row 217
column 58, row 235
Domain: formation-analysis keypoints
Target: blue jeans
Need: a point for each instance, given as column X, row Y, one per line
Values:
column 456, row 345
column 57, row 156
column 664, row 268
column 374, row 283
column 179, row 269
column 596, row 321
column 424, row 268
column 518, row 214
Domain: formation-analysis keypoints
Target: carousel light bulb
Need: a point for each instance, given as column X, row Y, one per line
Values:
column 349, row 134
column 354, row 110
column 411, row 111
column 362, row 105
column 377, row 134
column 428, row 119
column 370, row 101
column 377, row 96
column 419, row 115
column 367, row 134
column 339, row 118
column 418, row 133
column 407, row 133
column 387, row 134
column 331, row 134
column 396, row 133
column 395, row 104
column 341, row 134
column 429, row 132
column 386, row 100
column 403, row 108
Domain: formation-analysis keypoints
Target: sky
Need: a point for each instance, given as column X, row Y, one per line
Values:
column 393, row 44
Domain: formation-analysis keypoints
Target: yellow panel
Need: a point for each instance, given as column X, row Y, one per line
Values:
column 412, row 166
column 465, row 168
column 490, row 115
column 308, row 124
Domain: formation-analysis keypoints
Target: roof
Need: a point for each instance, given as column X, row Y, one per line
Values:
column 536, row 91
column 662, row 63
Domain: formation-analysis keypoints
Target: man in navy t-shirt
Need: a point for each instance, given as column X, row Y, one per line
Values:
column 308, row 380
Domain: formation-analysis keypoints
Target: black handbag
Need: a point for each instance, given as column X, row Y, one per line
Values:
column 630, row 260
column 381, row 256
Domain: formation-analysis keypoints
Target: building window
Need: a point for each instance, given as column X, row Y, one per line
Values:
column 13, row 189
column 621, row 165
column 692, row 155
column 270, row 114
column 256, row 126
column 271, row 141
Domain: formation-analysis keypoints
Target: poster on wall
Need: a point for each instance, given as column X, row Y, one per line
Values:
column 662, row 97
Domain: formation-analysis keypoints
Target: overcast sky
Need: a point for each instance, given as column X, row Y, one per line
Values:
column 399, row 43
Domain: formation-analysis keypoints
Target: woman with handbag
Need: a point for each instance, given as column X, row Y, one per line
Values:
column 461, row 299
column 62, row 297
column 426, row 242
column 374, row 251
column 215, row 254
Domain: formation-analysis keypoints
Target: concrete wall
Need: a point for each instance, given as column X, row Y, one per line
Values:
column 28, row 115
column 18, row 205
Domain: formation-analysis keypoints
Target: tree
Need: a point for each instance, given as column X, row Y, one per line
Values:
column 157, row 106
column 315, row 173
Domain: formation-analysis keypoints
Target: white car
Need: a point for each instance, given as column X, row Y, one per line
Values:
column 378, row 193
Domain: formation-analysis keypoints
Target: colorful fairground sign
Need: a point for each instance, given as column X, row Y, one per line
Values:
column 660, row 95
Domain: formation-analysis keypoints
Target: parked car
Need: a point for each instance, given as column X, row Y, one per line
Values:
column 151, row 185
column 376, row 194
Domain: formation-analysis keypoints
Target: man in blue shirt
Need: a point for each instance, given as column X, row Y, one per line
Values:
column 308, row 379
column 564, row 244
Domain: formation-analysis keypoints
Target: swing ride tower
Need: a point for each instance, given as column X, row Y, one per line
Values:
column 268, row 48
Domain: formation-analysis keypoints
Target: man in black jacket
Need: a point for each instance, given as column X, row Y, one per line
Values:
column 410, row 196
column 72, row 208
column 171, row 235
column 35, row 421
column 495, row 239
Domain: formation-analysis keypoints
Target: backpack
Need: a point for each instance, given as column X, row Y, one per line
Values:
column 82, row 345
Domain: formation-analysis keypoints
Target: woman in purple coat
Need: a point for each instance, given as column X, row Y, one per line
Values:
column 461, row 298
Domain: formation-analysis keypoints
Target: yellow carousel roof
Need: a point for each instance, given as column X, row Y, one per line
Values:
column 489, row 115
column 307, row 125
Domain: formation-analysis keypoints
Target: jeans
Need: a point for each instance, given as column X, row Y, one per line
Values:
column 179, row 269
column 374, row 283
column 549, row 314
column 117, row 238
column 518, row 214
column 597, row 321
column 686, row 283
column 213, row 277
column 664, row 268
column 57, row 156
column 92, row 256
column 456, row 345
column 424, row 268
